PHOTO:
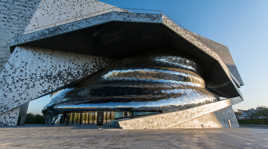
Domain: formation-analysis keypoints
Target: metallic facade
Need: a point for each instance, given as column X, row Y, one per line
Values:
column 102, row 58
column 159, row 83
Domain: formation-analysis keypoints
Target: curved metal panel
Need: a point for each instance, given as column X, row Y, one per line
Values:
column 159, row 83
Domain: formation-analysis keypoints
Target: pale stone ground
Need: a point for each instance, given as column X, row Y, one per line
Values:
column 78, row 138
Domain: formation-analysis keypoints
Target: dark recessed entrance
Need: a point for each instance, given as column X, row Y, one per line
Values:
column 98, row 118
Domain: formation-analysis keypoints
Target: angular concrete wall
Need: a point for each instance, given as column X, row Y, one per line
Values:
column 9, row 118
column 52, row 13
column 224, row 118
column 31, row 73
column 14, row 17
column 224, row 53
column 23, row 16
column 214, row 115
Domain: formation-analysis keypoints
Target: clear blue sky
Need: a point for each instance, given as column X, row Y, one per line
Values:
column 242, row 25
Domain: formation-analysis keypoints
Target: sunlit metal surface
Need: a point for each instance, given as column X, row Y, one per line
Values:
column 159, row 83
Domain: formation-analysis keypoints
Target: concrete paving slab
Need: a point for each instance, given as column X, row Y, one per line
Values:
column 79, row 137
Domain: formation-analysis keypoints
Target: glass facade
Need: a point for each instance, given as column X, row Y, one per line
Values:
column 97, row 118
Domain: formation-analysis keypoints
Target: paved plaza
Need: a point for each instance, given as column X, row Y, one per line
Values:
column 79, row 138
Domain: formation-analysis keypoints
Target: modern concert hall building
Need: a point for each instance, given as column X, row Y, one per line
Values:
column 111, row 67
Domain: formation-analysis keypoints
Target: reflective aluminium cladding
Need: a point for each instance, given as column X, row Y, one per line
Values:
column 105, row 63
column 120, row 34
column 151, row 84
